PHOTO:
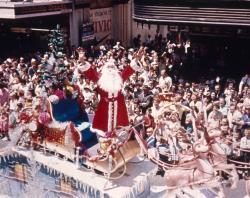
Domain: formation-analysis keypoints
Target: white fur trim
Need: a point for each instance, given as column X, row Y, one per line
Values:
column 84, row 67
column 98, row 131
column 110, row 113
column 115, row 114
column 135, row 65
column 58, row 125
column 54, row 99
column 79, row 133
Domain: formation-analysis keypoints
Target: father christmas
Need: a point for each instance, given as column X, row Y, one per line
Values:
column 111, row 111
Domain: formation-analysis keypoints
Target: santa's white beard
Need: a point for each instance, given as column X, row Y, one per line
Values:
column 110, row 81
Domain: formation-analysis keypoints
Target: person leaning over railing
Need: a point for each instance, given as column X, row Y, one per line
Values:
column 245, row 145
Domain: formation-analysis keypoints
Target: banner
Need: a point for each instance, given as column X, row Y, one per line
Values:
column 102, row 21
column 87, row 33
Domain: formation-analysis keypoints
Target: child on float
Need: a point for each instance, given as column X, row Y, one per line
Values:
column 4, row 125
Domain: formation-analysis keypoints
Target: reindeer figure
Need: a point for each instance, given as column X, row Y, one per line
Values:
column 201, row 175
column 219, row 157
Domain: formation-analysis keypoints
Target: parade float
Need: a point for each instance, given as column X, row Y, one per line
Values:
column 68, row 138
column 56, row 136
column 67, row 135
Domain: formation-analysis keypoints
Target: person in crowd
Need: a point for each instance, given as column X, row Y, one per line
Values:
column 245, row 145
column 146, row 99
column 4, row 125
column 223, row 106
column 149, row 123
column 246, row 117
column 137, row 41
column 163, row 150
column 245, row 81
column 4, row 94
column 165, row 81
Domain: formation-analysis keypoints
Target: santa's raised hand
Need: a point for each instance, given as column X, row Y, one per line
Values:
column 81, row 54
column 83, row 65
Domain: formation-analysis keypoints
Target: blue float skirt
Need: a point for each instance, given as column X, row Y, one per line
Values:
column 69, row 110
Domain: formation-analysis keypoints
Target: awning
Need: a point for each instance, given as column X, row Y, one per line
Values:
column 190, row 15
column 17, row 10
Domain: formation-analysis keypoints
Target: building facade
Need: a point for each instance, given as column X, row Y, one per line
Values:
column 24, row 23
column 198, row 17
column 220, row 25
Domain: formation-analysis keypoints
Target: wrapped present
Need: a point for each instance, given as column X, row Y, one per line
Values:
column 60, row 94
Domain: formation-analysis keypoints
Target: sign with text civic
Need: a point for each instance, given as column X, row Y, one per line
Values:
column 102, row 21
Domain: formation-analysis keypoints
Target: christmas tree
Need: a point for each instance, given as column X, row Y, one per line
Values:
column 56, row 41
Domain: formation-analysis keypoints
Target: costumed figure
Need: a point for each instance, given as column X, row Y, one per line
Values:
column 111, row 111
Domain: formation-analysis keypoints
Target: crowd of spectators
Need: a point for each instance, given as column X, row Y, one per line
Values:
column 225, row 102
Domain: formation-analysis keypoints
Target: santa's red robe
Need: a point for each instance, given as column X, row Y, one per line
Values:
column 111, row 111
